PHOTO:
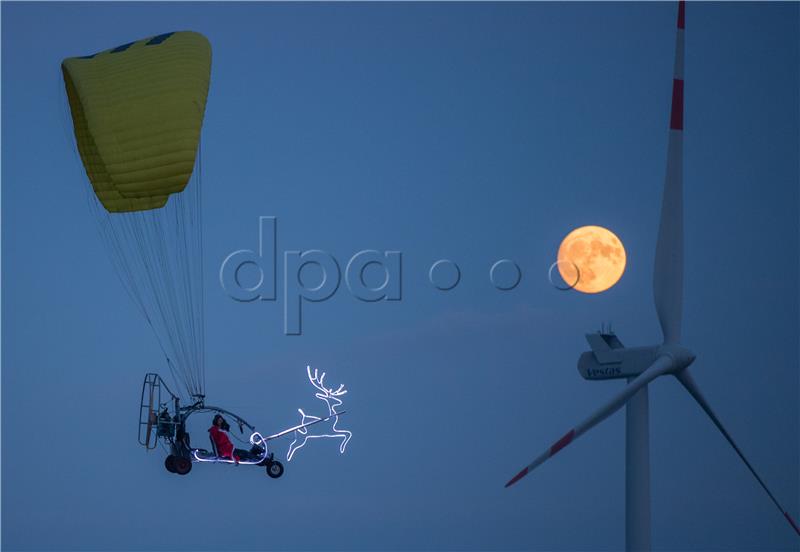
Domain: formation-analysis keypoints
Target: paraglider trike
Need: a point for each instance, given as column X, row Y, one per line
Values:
column 170, row 426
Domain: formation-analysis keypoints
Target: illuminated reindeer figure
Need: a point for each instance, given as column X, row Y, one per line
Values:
column 323, row 429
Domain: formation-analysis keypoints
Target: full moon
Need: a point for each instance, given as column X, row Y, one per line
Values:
column 598, row 255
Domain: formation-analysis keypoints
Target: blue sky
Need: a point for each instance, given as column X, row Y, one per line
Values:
column 472, row 132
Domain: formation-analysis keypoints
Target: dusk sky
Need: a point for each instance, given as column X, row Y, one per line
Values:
column 472, row 132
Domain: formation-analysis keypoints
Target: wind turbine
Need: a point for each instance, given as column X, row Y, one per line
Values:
column 609, row 359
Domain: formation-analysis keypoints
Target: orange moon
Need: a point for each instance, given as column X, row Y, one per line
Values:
column 599, row 255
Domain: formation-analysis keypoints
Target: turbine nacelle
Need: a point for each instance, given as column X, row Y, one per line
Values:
column 610, row 359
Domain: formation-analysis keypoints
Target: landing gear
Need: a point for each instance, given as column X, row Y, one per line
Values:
column 182, row 465
column 169, row 463
column 177, row 464
column 274, row 469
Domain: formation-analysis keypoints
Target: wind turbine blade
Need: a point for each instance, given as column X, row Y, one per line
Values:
column 658, row 368
column 688, row 382
column 668, row 271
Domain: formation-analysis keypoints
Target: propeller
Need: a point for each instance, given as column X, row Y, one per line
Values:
column 685, row 377
column 667, row 292
column 668, row 270
column 151, row 419
column 661, row 366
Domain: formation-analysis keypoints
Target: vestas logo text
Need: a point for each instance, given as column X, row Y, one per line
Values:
column 609, row 372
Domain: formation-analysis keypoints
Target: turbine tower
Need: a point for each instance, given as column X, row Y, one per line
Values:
column 609, row 359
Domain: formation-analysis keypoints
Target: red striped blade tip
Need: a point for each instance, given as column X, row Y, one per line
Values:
column 789, row 518
column 517, row 477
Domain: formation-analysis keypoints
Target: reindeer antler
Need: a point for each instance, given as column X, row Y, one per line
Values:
column 318, row 381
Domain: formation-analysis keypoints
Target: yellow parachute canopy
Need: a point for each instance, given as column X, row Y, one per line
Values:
column 137, row 110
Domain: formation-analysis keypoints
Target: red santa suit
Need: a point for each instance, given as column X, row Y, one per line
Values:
column 223, row 443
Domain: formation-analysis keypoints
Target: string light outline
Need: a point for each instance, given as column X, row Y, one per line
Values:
column 326, row 395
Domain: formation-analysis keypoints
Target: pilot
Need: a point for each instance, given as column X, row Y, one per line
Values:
column 221, row 440
column 225, row 446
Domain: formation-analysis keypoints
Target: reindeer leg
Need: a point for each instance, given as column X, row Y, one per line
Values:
column 303, row 431
column 346, row 435
column 294, row 447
